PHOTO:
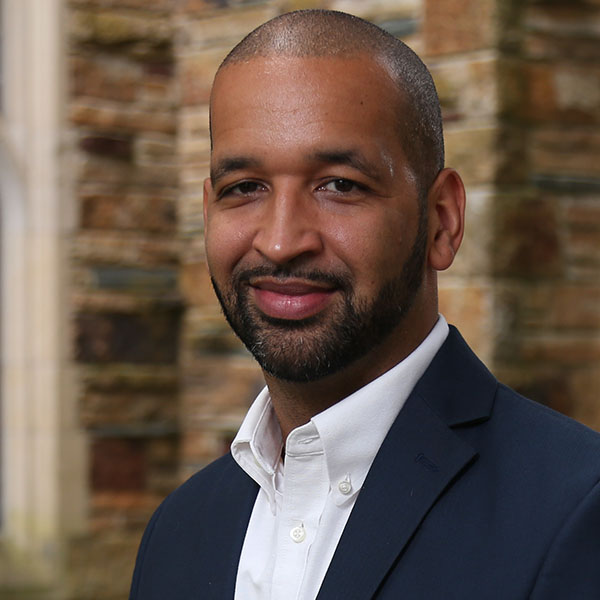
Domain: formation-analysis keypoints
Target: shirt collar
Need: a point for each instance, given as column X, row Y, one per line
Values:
column 351, row 430
column 258, row 444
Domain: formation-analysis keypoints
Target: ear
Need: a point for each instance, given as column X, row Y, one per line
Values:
column 446, row 205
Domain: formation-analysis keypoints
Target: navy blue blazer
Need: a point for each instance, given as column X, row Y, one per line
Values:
column 476, row 493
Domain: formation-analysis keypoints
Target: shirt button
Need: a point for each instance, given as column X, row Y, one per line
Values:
column 345, row 487
column 298, row 534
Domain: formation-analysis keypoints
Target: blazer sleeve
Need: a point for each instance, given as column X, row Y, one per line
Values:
column 571, row 568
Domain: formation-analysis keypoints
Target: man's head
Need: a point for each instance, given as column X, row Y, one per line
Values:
column 327, row 210
column 328, row 33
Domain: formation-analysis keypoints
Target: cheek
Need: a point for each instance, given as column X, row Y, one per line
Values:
column 226, row 242
column 373, row 249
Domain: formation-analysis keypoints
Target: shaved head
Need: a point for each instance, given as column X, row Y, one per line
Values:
column 327, row 33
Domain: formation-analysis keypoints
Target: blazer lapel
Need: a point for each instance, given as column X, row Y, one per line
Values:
column 418, row 460
column 229, row 506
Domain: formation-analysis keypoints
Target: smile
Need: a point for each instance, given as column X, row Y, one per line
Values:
column 290, row 299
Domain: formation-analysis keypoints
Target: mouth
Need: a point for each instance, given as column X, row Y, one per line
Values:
column 290, row 299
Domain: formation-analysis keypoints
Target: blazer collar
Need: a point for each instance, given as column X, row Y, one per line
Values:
column 420, row 457
column 457, row 386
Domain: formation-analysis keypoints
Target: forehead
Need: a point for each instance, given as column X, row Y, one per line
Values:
column 279, row 97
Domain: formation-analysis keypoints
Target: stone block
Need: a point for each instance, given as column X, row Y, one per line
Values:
column 207, row 333
column 191, row 217
column 552, row 305
column 112, row 337
column 193, row 123
column 100, row 567
column 127, row 211
column 469, row 306
column 108, row 78
column 158, row 150
column 116, row 27
column 156, row 281
column 567, row 93
column 156, row 88
column 196, row 74
column 574, row 20
column 542, row 46
column 578, row 90
column 125, row 249
column 127, row 378
column 569, row 350
column 109, row 172
column 122, row 117
column 117, row 515
column 223, row 29
column 512, row 167
column 467, row 88
column 202, row 447
column 115, row 408
column 218, row 386
column 194, row 171
column 472, row 149
column 193, row 250
column 456, row 26
column 90, row 299
column 585, row 385
column 195, row 7
column 195, row 285
column 547, row 387
column 117, row 465
column 527, row 238
column 110, row 146
column 568, row 150
column 382, row 12
column 162, row 452
column 582, row 237
column 474, row 257
column 146, row 5
column 583, row 213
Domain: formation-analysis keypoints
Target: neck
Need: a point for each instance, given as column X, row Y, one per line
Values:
column 296, row 403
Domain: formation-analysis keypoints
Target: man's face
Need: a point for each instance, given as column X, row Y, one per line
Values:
column 314, row 238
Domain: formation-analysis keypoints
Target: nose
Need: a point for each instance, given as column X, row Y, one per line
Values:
column 289, row 228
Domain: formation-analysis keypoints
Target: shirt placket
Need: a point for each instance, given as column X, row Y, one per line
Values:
column 304, row 494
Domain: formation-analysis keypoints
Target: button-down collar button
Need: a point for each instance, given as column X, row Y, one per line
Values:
column 345, row 487
column 298, row 534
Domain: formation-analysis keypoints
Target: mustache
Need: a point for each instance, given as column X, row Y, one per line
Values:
column 282, row 273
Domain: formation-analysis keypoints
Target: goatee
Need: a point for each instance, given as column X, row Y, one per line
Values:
column 309, row 349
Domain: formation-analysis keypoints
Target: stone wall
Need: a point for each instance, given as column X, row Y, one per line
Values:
column 125, row 267
column 163, row 384
column 546, row 251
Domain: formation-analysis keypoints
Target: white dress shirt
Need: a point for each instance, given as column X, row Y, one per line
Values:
column 304, row 503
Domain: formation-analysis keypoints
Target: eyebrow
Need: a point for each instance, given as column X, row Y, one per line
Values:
column 230, row 164
column 351, row 158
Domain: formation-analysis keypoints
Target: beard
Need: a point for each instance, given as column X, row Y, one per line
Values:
column 309, row 349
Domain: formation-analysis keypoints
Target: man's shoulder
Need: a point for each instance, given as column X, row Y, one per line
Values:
column 505, row 428
column 210, row 482
column 543, row 429
column 186, row 543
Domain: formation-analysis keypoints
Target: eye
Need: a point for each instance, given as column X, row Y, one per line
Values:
column 341, row 186
column 243, row 188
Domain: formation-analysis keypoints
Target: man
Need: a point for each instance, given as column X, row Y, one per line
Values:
column 382, row 460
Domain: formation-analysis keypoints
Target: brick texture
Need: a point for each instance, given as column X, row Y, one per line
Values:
column 547, row 239
column 125, row 300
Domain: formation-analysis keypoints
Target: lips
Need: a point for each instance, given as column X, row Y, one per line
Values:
column 290, row 299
